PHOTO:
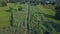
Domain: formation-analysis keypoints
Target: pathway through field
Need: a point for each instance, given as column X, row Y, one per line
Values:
column 29, row 21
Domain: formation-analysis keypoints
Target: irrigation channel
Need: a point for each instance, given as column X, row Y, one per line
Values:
column 29, row 21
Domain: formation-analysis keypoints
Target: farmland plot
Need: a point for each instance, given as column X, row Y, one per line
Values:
column 30, row 20
column 4, row 17
column 39, row 23
column 19, row 19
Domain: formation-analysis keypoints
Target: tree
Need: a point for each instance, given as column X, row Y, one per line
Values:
column 3, row 2
column 11, row 1
column 57, row 15
column 57, row 8
column 42, row 2
column 20, row 8
column 11, row 21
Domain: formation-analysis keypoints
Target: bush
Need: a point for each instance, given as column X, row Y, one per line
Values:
column 20, row 8
column 53, row 3
column 11, row 19
column 22, row 2
column 0, row 4
column 4, row 3
column 57, row 13
column 42, row 3
column 34, row 3
column 11, row 1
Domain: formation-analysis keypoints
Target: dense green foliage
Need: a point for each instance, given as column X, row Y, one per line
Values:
column 28, row 18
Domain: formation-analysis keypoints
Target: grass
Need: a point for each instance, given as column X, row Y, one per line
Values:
column 48, row 12
column 20, row 17
column 4, row 17
column 37, row 22
column 45, row 10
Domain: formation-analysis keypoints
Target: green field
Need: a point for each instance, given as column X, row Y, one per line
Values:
column 38, row 17
column 4, row 17
column 48, row 12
